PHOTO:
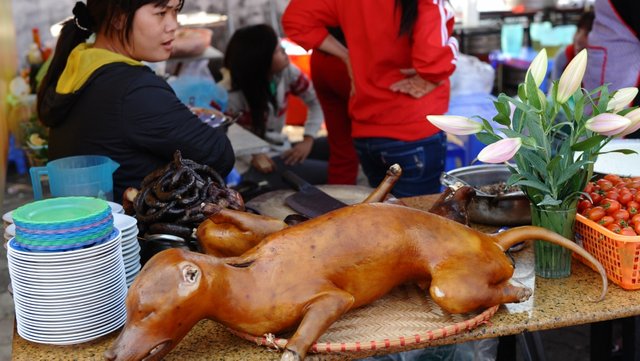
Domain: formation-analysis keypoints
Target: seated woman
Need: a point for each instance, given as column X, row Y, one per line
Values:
column 261, row 80
column 98, row 98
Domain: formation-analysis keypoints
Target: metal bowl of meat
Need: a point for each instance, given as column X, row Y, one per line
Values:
column 494, row 202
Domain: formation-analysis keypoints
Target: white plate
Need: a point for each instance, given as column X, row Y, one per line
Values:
column 618, row 163
column 56, row 269
column 124, row 222
column 44, row 278
column 76, row 338
column 71, row 325
column 7, row 217
column 10, row 230
column 75, row 312
column 116, row 208
column 42, row 292
column 68, row 302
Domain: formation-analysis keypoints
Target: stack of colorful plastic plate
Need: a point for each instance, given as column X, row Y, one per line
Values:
column 130, row 247
column 68, row 297
column 61, row 224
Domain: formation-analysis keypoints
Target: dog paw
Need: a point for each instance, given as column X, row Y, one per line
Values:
column 289, row 355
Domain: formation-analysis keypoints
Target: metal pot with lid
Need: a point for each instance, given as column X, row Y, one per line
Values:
column 502, row 209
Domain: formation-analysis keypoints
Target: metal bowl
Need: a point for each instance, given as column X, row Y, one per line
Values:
column 509, row 209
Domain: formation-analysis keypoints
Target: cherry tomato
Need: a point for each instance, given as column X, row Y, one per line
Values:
column 635, row 219
column 595, row 198
column 628, row 231
column 621, row 214
column 625, row 197
column 613, row 227
column 606, row 220
column 610, row 205
column 604, row 184
column 636, row 227
column 595, row 213
column 612, row 194
column 590, row 187
column 633, row 207
column 584, row 205
column 613, row 178
column 633, row 184
column 636, row 197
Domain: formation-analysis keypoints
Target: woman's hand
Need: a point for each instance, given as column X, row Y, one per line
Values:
column 263, row 163
column 299, row 152
column 413, row 84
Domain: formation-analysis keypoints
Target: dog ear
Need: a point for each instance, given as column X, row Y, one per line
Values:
column 191, row 273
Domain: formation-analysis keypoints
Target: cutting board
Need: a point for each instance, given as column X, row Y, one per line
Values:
column 271, row 204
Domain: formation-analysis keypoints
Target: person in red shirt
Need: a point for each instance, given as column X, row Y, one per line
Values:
column 401, row 55
column 333, row 86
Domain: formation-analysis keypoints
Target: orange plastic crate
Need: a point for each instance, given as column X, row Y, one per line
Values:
column 620, row 255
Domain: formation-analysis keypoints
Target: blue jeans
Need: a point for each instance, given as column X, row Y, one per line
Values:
column 422, row 161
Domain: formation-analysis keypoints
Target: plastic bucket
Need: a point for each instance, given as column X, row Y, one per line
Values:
column 84, row 175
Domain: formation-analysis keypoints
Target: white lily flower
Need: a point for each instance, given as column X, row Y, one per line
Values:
column 455, row 124
column 571, row 78
column 634, row 117
column 538, row 67
column 621, row 98
column 608, row 124
column 500, row 151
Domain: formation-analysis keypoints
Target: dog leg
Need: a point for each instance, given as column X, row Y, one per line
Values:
column 320, row 313
column 467, row 293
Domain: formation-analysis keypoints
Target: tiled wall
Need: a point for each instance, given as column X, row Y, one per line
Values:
column 43, row 13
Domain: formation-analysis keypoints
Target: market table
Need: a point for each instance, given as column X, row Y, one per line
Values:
column 555, row 303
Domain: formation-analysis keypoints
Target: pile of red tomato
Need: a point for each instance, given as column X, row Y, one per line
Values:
column 614, row 204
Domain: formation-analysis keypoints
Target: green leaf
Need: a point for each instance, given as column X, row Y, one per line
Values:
column 532, row 93
column 502, row 119
column 522, row 93
column 534, row 184
column 549, row 201
column 535, row 161
column 589, row 143
column 487, row 138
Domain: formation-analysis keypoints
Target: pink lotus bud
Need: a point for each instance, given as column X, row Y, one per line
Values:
column 455, row 124
column 608, row 124
column 621, row 98
column 634, row 117
column 571, row 78
column 538, row 67
column 500, row 151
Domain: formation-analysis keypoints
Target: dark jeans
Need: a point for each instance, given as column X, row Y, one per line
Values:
column 422, row 161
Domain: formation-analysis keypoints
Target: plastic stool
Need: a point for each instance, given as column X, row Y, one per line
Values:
column 17, row 156
column 456, row 157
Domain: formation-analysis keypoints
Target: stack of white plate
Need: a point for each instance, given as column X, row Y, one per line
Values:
column 116, row 207
column 69, row 297
column 130, row 247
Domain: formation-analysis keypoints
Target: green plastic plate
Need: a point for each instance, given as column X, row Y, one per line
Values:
column 62, row 209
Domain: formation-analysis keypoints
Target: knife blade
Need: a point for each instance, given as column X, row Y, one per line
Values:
column 309, row 200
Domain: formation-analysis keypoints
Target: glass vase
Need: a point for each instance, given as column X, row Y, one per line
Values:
column 551, row 260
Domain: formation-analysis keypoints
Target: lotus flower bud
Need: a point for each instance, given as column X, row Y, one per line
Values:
column 634, row 117
column 500, row 151
column 608, row 124
column 455, row 124
column 621, row 99
column 538, row 67
column 571, row 78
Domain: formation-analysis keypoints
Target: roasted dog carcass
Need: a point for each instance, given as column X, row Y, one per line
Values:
column 306, row 276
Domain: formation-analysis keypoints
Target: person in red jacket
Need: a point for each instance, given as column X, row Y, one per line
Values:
column 401, row 55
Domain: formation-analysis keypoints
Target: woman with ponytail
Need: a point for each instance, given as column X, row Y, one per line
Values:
column 99, row 98
column 401, row 54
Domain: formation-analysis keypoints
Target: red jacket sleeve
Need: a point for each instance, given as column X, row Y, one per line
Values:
column 305, row 21
column 434, row 50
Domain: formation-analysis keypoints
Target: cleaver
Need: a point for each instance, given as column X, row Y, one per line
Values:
column 309, row 200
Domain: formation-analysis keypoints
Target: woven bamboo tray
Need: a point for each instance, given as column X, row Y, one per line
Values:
column 405, row 316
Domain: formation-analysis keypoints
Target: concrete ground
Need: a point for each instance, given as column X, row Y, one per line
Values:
column 566, row 344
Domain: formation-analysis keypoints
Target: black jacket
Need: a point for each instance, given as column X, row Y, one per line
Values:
column 131, row 115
